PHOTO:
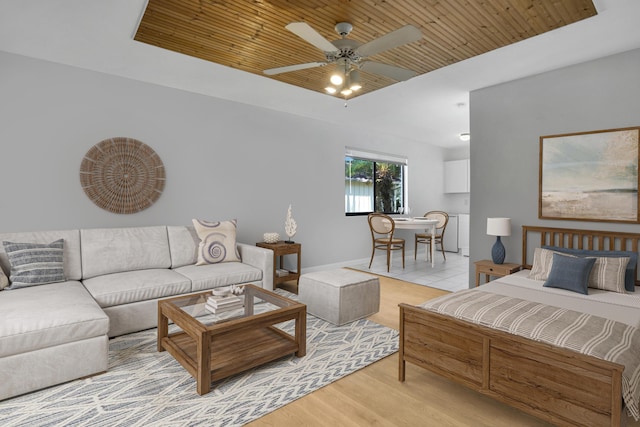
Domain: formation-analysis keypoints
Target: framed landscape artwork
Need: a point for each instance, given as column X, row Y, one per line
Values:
column 590, row 176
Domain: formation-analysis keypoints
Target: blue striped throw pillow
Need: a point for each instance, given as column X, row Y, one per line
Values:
column 35, row 264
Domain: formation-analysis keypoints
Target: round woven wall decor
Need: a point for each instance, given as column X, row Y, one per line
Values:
column 122, row 175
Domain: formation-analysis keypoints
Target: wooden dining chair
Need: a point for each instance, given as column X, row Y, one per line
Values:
column 382, row 228
column 443, row 220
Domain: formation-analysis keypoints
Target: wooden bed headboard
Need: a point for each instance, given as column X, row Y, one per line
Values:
column 580, row 239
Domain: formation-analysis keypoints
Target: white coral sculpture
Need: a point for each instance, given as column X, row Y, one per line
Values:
column 290, row 224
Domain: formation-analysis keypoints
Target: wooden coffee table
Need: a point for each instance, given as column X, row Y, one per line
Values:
column 211, row 347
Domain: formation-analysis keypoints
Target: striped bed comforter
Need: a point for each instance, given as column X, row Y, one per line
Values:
column 592, row 335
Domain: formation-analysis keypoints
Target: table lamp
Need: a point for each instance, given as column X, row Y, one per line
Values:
column 498, row 227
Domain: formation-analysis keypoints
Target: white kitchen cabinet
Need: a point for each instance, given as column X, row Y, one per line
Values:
column 456, row 176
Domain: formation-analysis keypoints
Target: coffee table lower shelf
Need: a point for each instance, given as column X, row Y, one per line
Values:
column 232, row 353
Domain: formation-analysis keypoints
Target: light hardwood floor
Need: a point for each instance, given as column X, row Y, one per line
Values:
column 373, row 396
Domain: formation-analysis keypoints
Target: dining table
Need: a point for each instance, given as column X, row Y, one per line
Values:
column 419, row 223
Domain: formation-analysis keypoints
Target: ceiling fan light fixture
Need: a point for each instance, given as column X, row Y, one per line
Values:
column 346, row 91
column 354, row 80
column 336, row 78
column 349, row 56
column 330, row 89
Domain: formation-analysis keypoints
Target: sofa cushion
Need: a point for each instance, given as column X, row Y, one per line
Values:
column 217, row 241
column 133, row 286
column 114, row 250
column 45, row 316
column 71, row 257
column 211, row 276
column 34, row 264
column 183, row 245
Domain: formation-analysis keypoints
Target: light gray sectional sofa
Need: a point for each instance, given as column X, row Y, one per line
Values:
column 57, row 332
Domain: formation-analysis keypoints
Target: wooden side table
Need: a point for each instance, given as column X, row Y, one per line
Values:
column 281, row 249
column 488, row 268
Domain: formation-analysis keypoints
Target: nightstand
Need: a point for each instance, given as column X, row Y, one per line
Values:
column 488, row 268
column 280, row 249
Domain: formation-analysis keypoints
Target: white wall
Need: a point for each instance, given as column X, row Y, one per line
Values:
column 506, row 123
column 222, row 159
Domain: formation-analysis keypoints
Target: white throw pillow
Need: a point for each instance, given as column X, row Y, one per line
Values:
column 217, row 241
column 608, row 274
column 542, row 263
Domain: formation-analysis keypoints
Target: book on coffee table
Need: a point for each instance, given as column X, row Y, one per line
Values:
column 219, row 304
column 218, row 301
column 218, row 310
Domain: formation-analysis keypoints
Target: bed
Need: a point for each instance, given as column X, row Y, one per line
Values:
column 537, row 367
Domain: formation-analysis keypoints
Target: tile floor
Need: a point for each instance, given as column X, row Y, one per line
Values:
column 451, row 275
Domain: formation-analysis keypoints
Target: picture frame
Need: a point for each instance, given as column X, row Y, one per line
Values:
column 590, row 176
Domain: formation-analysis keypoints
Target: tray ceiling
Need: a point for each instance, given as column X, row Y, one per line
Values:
column 251, row 35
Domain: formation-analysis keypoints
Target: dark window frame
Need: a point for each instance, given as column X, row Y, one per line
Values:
column 377, row 164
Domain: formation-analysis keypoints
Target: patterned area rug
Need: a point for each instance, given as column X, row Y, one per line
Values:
column 145, row 388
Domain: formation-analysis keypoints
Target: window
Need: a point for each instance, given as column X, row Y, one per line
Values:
column 373, row 182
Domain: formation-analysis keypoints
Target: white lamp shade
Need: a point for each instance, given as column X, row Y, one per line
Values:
column 499, row 226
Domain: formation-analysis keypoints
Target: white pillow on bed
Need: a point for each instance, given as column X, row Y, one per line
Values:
column 542, row 262
column 608, row 273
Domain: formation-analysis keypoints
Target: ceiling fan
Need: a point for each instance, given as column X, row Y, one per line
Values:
column 351, row 55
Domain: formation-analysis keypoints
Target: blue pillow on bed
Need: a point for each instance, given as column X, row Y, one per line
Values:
column 629, row 273
column 570, row 273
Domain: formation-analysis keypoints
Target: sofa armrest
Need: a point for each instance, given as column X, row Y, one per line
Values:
column 260, row 258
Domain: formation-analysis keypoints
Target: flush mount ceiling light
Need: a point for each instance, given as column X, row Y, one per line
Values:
column 350, row 56
column 465, row 136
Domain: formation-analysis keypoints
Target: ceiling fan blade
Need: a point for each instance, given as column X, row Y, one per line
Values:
column 307, row 33
column 404, row 35
column 279, row 70
column 391, row 71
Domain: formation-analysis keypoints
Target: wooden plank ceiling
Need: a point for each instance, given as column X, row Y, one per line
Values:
column 250, row 35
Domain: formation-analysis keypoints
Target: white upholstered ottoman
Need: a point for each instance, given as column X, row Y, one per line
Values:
column 340, row 296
